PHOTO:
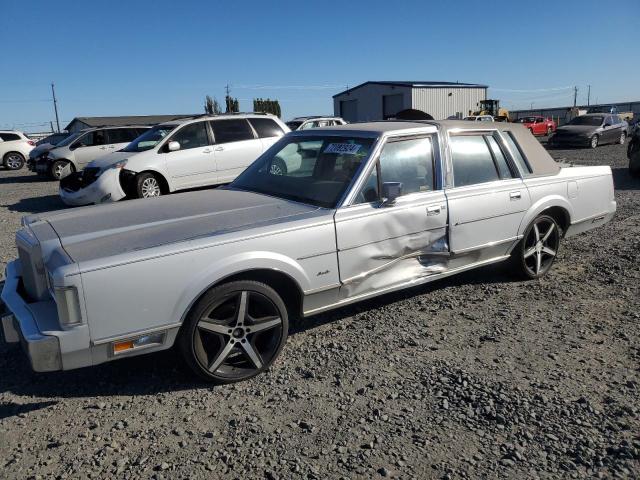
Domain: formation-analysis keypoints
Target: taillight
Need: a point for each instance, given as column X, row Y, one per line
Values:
column 31, row 142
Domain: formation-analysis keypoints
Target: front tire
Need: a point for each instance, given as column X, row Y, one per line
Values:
column 278, row 167
column 147, row 186
column 536, row 252
column 593, row 142
column 13, row 160
column 57, row 167
column 234, row 332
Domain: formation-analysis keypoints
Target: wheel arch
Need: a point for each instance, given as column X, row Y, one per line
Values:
column 555, row 206
column 164, row 183
column 281, row 273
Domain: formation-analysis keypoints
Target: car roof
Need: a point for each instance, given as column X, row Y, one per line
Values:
column 222, row 116
column 111, row 127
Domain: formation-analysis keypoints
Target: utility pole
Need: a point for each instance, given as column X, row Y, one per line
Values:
column 52, row 130
column 55, row 105
column 588, row 95
column 575, row 96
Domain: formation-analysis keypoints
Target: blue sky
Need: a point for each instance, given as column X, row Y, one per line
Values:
column 153, row 57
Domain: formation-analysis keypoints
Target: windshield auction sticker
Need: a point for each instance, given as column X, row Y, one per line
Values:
column 343, row 148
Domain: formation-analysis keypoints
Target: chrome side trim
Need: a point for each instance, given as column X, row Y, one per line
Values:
column 594, row 218
column 322, row 289
column 393, row 238
column 138, row 333
column 328, row 252
column 490, row 217
column 415, row 282
column 487, row 245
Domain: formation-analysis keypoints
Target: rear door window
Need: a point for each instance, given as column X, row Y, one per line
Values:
column 121, row 135
column 266, row 128
column 236, row 130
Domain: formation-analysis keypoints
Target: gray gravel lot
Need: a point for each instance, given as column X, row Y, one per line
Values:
column 476, row 376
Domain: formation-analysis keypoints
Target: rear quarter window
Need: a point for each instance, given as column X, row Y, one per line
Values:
column 516, row 154
column 266, row 128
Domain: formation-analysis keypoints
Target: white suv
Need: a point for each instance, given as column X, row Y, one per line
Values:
column 177, row 155
column 14, row 148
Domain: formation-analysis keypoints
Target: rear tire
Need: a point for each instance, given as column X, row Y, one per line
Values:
column 549, row 131
column 234, row 332
column 594, row 141
column 535, row 253
column 623, row 138
column 148, row 186
column 13, row 160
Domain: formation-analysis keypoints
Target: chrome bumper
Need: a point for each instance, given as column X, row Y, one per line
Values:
column 19, row 325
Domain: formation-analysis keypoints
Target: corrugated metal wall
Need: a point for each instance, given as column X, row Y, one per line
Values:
column 369, row 101
column 443, row 102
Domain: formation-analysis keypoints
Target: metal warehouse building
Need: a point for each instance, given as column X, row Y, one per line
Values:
column 383, row 100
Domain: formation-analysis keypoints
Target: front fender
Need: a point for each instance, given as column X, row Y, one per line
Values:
column 233, row 265
column 542, row 205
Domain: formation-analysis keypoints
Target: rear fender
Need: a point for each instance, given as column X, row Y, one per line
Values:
column 542, row 205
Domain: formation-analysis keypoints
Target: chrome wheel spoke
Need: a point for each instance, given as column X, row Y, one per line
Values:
column 208, row 326
column 252, row 354
column 546, row 235
column 242, row 308
column 530, row 252
column 536, row 231
column 222, row 356
column 538, row 262
column 266, row 324
column 549, row 251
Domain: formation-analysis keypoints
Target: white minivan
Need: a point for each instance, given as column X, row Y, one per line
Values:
column 177, row 155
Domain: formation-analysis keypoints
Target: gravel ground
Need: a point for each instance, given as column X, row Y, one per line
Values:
column 476, row 376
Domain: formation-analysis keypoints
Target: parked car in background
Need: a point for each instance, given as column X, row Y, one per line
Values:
column 43, row 146
column 633, row 154
column 53, row 139
column 538, row 125
column 304, row 123
column 14, row 148
column 174, row 156
column 612, row 109
column 380, row 207
column 73, row 153
column 591, row 130
column 478, row 118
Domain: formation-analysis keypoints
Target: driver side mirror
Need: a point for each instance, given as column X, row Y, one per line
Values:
column 390, row 192
column 173, row 146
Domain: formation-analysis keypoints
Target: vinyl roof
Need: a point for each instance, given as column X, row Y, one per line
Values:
column 416, row 84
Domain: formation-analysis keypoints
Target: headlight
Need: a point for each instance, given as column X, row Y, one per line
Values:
column 120, row 165
column 68, row 306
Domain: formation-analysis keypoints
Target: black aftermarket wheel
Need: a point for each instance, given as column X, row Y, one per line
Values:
column 538, row 249
column 234, row 332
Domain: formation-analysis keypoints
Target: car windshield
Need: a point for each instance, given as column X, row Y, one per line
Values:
column 149, row 139
column 69, row 139
column 316, row 169
column 587, row 120
column 294, row 125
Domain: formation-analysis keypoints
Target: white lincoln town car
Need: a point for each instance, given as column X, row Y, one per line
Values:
column 322, row 219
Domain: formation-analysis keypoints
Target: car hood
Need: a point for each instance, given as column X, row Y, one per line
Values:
column 97, row 232
column 40, row 149
column 577, row 129
column 108, row 160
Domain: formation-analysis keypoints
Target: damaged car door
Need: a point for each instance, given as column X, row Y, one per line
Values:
column 385, row 242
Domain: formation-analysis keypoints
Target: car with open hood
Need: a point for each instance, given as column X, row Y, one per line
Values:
column 591, row 130
column 363, row 209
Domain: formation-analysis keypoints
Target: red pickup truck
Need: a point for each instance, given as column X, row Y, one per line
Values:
column 538, row 125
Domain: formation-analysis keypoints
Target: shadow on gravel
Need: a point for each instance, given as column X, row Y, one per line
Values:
column 166, row 372
column 622, row 179
column 12, row 409
column 21, row 179
column 37, row 204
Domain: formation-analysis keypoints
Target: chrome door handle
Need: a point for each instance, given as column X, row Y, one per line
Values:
column 515, row 195
column 433, row 210
column 218, row 149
